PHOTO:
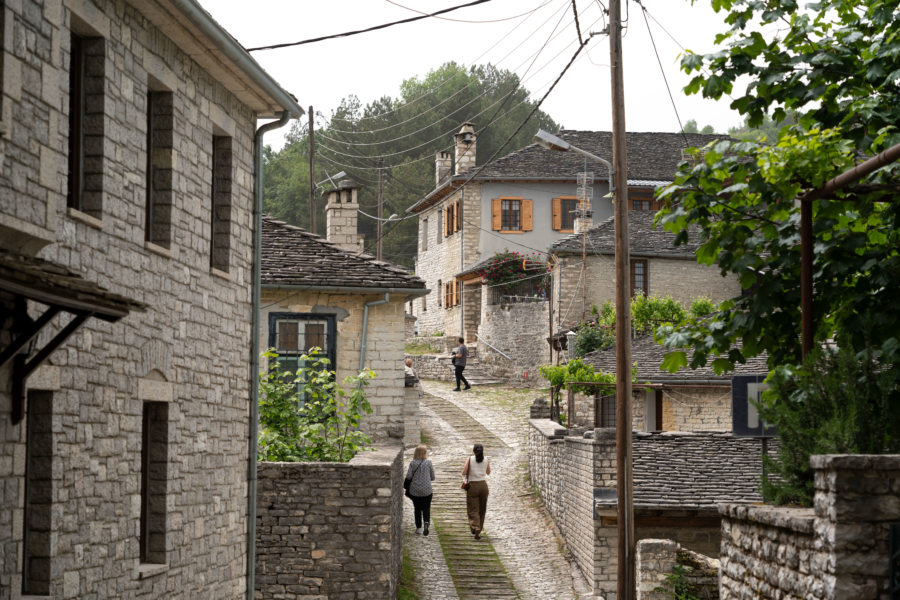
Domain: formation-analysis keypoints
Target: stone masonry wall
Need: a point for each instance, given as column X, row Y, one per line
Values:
column 384, row 347
column 839, row 549
column 330, row 530
column 189, row 350
column 520, row 331
column 655, row 560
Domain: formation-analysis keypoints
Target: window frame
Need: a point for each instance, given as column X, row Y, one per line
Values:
column 221, row 202
column 558, row 213
column 645, row 287
column 330, row 334
column 153, row 530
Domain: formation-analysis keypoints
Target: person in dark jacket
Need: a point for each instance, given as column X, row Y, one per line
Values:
column 421, row 474
column 459, row 361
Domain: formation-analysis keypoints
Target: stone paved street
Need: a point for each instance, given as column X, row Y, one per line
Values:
column 519, row 555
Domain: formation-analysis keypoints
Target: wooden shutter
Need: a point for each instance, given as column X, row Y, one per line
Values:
column 526, row 216
column 557, row 214
column 496, row 214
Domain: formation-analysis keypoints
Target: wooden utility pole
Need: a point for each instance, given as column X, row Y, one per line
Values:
column 312, row 175
column 380, row 204
column 625, row 589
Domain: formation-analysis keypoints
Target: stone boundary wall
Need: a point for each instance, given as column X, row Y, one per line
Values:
column 520, row 331
column 330, row 530
column 838, row 549
column 433, row 366
column 655, row 560
column 562, row 468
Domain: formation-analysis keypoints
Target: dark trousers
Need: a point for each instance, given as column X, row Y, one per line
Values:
column 422, row 508
column 476, row 504
column 459, row 376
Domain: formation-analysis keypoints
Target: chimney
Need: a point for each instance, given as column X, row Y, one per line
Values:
column 442, row 163
column 341, row 216
column 465, row 148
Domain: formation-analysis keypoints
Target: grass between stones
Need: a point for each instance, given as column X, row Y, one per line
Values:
column 406, row 589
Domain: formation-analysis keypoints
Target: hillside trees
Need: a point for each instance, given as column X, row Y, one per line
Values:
column 403, row 133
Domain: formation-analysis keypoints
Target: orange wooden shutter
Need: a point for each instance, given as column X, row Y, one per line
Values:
column 526, row 216
column 496, row 215
column 557, row 214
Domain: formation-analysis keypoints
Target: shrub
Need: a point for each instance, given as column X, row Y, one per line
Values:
column 839, row 402
column 319, row 427
column 702, row 307
column 506, row 269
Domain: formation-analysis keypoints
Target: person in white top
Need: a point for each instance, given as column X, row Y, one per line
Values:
column 474, row 474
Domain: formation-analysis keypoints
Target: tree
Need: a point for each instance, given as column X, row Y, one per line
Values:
column 836, row 67
column 405, row 133
column 833, row 69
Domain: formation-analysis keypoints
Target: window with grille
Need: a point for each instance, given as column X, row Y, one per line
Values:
column 292, row 335
column 154, row 482
column 608, row 411
column 510, row 215
column 639, row 283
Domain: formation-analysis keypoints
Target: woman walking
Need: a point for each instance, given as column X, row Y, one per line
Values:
column 474, row 474
column 420, row 474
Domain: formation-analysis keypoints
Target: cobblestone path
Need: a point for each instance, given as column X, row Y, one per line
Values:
column 519, row 556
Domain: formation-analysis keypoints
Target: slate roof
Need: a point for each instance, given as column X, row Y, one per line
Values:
column 649, row 355
column 652, row 159
column 651, row 156
column 645, row 240
column 677, row 470
column 53, row 284
column 293, row 256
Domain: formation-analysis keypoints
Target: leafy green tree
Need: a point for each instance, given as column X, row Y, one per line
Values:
column 307, row 416
column 835, row 65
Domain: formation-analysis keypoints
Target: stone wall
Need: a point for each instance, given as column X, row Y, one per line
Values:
column 330, row 530
column 436, row 367
column 838, row 549
column 384, row 351
column 189, row 351
column 520, row 332
column 655, row 562
column 412, row 433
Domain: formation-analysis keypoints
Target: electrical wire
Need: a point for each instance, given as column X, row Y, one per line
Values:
column 465, row 20
column 367, row 30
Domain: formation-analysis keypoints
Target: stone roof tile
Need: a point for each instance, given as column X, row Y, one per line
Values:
column 644, row 238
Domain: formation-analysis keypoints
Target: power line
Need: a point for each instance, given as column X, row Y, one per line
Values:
column 468, row 21
column 368, row 29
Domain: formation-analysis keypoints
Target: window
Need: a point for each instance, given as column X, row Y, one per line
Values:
column 643, row 200
column 639, row 283
column 440, row 226
column 38, row 494
column 452, row 219
column 607, row 408
column 440, row 287
column 160, row 191
column 220, row 214
column 85, row 169
column 295, row 334
column 452, row 293
column 424, row 234
column 564, row 209
column 511, row 215
column 154, row 481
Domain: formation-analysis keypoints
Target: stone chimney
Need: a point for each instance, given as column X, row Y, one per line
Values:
column 442, row 164
column 341, row 216
column 465, row 148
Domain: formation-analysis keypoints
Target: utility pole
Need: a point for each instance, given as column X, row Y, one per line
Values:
column 624, row 490
column 380, row 203
column 312, row 175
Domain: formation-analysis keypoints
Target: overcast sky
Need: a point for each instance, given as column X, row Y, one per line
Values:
column 534, row 38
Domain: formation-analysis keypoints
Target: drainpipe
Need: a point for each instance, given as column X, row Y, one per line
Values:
column 365, row 326
column 254, row 352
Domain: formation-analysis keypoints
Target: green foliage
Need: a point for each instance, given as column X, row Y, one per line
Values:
column 650, row 312
column 406, row 131
column 574, row 371
column 418, row 347
column 318, row 423
column 508, row 269
column 839, row 402
column 702, row 307
column 678, row 584
column 835, row 66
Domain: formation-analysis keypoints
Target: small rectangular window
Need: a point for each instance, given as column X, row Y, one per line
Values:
column 295, row 334
column 37, row 523
column 510, row 215
column 87, row 62
column 154, row 481
column 424, row 234
column 639, row 283
column 160, row 172
column 440, row 286
column 643, row 200
column 220, row 214
column 568, row 206
column 440, row 226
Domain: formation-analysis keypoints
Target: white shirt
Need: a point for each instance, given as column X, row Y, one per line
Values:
column 477, row 470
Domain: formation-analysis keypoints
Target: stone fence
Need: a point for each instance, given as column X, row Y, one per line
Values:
column 837, row 550
column 520, row 332
column 655, row 562
column 330, row 530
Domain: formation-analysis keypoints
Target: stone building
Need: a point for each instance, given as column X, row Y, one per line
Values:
column 523, row 202
column 658, row 268
column 324, row 294
column 689, row 400
column 126, row 211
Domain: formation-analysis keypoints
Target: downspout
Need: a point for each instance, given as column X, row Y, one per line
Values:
column 254, row 352
column 365, row 326
column 462, row 261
